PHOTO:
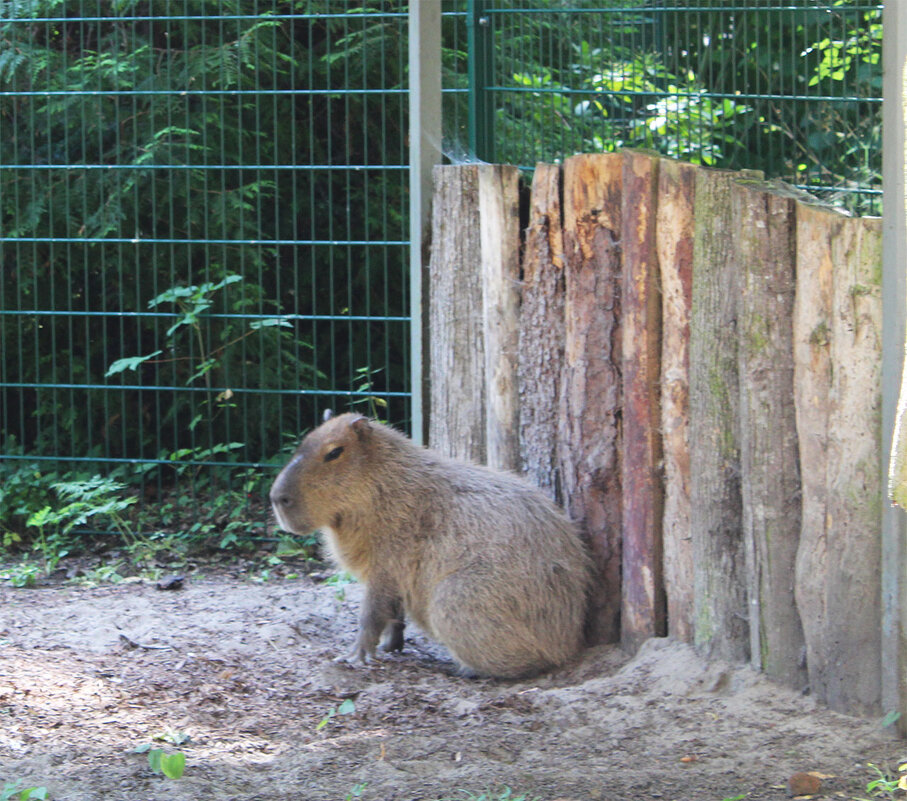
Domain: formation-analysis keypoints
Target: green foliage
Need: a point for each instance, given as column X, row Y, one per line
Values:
column 171, row 271
column 22, row 575
column 884, row 785
column 15, row 792
column 786, row 92
column 346, row 707
column 171, row 765
column 339, row 580
column 77, row 502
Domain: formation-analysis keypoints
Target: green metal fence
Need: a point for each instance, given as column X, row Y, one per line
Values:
column 203, row 240
column 790, row 87
column 203, row 205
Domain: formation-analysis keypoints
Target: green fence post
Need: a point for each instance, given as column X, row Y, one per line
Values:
column 480, row 46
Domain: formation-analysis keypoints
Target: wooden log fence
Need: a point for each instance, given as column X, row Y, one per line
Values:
column 688, row 360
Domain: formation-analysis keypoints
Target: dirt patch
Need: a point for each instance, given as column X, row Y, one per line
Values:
column 246, row 671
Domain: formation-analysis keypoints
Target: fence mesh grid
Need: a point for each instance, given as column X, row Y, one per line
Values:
column 204, row 237
column 203, row 205
column 791, row 88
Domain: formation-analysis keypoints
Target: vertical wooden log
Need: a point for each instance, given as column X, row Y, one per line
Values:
column 541, row 339
column 765, row 259
column 589, row 435
column 838, row 369
column 456, row 325
column 643, row 604
column 474, row 314
column 499, row 235
column 812, row 390
column 674, row 244
column 715, row 504
column 854, row 469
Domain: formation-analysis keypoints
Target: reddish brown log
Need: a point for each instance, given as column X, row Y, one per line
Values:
column 541, row 344
column 674, row 232
column 643, row 606
column 589, row 435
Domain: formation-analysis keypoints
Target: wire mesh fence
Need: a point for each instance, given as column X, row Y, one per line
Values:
column 203, row 237
column 203, row 205
column 792, row 87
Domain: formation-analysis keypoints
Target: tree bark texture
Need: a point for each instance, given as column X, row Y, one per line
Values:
column 764, row 251
column 474, row 314
column 674, row 231
column 589, row 419
column 837, row 337
column 679, row 316
column 456, row 324
column 643, row 602
column 499, row 234
column 541, row 340
column 716, row 514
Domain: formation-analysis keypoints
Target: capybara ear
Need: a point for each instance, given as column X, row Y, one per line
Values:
column 361, row 426
column 327, row 415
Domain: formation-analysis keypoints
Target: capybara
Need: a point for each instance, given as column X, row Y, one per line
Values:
column 481, row 561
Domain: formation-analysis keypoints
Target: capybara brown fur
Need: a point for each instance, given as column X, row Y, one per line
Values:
column 481, row 561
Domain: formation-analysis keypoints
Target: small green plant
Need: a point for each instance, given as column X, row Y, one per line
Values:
column 355, row 792
column 346, row 707
column 366, row 383
column 339, row 581
column 16, row 792
column 24, row 574
column 171, row 765
column 78, row 501
column 884, row 785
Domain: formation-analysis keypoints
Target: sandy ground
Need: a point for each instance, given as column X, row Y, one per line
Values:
column 245, row 671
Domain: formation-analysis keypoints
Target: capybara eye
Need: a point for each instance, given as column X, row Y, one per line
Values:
column 331, row 455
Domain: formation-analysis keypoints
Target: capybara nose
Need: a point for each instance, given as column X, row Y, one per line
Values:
column 281, row 499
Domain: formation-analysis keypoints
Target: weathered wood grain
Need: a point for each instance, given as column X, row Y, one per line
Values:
column 764, row 256
column 716, row 514
column 456, row 323
column 541, row 340
column 589, row 424
column 499, row 235
column 643, row 602
column 674, row 231
column 837, row 379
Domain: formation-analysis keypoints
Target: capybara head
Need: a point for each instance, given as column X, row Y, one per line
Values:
column 324, row 477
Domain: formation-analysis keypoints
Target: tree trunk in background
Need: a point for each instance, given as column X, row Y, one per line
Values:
column 770, row 470
column 715, row 504
column 541, row 343
column 643, row 603
column 837, row 380
column 589, row 420
column 674, row 243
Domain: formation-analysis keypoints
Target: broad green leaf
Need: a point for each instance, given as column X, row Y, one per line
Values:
column 173, row 765
column 129, row 363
